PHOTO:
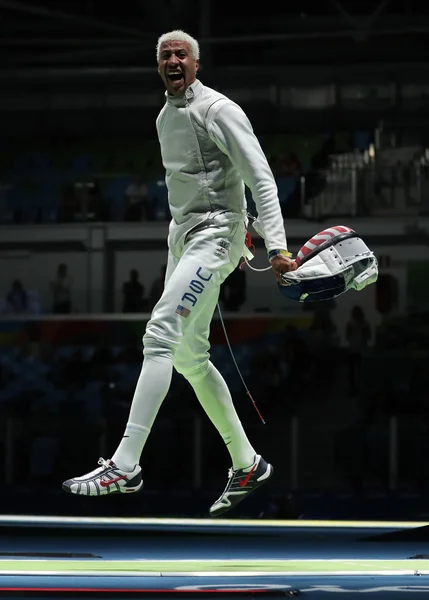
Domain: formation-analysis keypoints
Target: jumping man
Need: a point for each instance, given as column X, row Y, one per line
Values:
column 209, row 152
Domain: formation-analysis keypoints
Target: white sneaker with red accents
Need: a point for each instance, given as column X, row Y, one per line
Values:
column 240, row 483
column 106, row 479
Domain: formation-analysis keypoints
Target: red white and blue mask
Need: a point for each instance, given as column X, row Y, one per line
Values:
column 330, row 263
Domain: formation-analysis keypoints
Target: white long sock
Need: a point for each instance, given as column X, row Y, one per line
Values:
column 215, row 398
column 151, row 389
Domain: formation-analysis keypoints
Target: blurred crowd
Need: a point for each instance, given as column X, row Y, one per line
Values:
column 343, row 393
column 69, row 181
column 136, row 295
column 19, row 300
column 349, row 391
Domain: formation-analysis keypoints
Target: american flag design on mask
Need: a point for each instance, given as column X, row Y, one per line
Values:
column 182, row 311
column 319, row 239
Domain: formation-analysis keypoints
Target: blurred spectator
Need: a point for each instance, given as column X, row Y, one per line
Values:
column 293, row 350
column 84, row 201
column 358, row 334
column 157, row 287
column 133, row 293
column 17, row 298
column 137, row 201
column 308, row 185
column 324, row 344
column 61, row 291
column 97, row 207
column 233, row 290
column 323, row 329
column 70, row 204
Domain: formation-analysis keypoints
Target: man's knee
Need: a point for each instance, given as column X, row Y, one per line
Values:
column 158, row 345
column 193, row 373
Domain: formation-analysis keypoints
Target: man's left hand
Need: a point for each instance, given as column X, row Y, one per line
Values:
column 282, row 264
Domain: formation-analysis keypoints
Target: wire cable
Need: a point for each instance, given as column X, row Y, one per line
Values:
column 236, row 365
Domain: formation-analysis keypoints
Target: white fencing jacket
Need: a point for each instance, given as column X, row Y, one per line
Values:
column 209, row 152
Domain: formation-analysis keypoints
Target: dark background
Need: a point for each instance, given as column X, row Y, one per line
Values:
column 338, row 94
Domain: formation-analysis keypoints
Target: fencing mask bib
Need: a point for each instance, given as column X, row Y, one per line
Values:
column 330, row 263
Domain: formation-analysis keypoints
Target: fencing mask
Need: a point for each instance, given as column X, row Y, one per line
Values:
column 330, row 263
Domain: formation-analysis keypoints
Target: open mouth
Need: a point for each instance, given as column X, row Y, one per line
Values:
column 175, row 77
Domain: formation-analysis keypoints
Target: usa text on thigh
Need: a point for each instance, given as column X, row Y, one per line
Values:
column 180, row 322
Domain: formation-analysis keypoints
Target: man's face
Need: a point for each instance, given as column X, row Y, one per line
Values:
column 177, row 66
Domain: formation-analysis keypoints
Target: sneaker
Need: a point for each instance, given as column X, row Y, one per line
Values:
column 240, row 483
column 106, row 479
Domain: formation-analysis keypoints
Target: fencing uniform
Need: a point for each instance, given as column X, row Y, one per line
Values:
column 209, row 152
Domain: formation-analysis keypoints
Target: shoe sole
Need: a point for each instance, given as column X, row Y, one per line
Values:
column 258, row 484
column 125, row 491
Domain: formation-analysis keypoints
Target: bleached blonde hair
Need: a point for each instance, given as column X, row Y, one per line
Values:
column 181, row 36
